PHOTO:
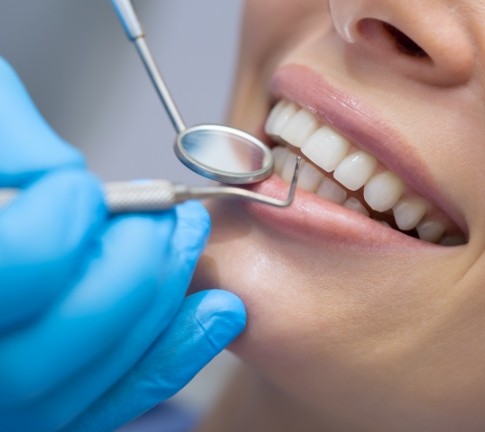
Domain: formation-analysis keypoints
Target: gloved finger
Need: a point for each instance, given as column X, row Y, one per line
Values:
column 119, row 284
column 74, row 397
column 29, row 147
column 207, row 322
column 43, row 233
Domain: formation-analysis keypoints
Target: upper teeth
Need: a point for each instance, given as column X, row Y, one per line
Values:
column 353, row 169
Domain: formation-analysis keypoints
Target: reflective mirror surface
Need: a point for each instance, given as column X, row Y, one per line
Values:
column 224, row 154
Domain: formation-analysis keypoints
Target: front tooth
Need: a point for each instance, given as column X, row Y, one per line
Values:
column 279, row 154
column 309, row 177
column 274, row 114
column 289, row 168
column 325, row 148
column 430, row 230
column 298, row 128
column 383, row 191
column 355, row 204
column 331, row 191
column 282, row 116
column 355, row 170
column 408, row 212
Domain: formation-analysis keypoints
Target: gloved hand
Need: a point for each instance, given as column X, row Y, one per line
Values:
column 94, row 324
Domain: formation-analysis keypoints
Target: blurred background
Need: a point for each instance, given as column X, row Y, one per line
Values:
column 88, row 82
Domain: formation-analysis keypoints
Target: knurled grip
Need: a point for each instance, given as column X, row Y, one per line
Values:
column 127, row 197
column 150, row 196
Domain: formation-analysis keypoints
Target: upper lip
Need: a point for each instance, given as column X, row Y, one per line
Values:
column 361, row 124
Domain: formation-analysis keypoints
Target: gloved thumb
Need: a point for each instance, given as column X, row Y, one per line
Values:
column 206, row 323
column 28, row 145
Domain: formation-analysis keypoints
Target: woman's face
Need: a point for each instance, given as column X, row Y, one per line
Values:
column 345, row 313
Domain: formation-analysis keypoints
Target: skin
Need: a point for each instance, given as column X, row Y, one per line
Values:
column 341, row 338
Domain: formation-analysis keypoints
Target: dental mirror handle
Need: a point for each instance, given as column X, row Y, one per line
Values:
column 126, row 13
column 158, row 195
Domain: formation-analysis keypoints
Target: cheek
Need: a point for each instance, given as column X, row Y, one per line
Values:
column 316, row 317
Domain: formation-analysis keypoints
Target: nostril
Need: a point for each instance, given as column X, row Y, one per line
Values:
column 384, row 31
column 403, row 43
column 429, row 46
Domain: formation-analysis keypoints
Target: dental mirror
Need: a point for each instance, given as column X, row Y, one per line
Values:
column 220, row 153
column 224, row 154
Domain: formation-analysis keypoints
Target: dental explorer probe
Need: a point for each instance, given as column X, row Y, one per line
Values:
column 157, row 195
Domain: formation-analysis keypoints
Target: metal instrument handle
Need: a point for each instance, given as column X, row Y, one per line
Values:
column 135, row 33
column 143, row 197
column 158, row 195
column 129, row 19
column 126, row 197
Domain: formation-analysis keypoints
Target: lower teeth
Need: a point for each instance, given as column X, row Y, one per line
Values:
column 324, row 185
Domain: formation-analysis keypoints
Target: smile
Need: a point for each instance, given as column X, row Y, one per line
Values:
column 336, row 170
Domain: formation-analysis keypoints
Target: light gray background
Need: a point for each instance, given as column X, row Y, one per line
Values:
column 88, row 82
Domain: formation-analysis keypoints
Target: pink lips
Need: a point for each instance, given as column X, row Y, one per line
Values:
column 314, row 216
column 320, row 220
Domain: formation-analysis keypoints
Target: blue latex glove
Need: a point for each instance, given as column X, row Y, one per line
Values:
column 95, row 327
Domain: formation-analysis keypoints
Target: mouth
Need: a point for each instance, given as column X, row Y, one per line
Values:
column 353, row 164
column 336, row 170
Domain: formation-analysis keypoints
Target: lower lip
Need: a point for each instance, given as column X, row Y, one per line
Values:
column 325, row 222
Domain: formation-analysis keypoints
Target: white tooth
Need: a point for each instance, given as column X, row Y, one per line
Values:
column 289, row 168
column 309, row 177
column 279, row 154
column 408, row 212
column 281, row 118
column 274, row 114
column 299, row 128
column 355, row 204
column 325, row 148
column 355, row 170
column 430, row 229
column 383, row 191
column 453, row 240
column 331, row 191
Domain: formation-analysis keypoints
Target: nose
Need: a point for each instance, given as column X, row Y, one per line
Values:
column 427, row 38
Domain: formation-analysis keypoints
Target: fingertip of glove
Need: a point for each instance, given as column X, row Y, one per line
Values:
column 194, row 215
column 222, row 314
column 193, row 229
